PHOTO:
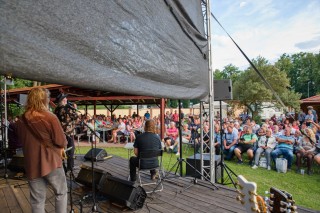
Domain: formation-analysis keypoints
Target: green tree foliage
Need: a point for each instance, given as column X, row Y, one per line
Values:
column 302, row 68
column 250, row 90
column 173, row 103
column 229, row 72
column 20, row 83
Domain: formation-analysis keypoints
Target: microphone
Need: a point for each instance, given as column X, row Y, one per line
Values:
column 70, row 105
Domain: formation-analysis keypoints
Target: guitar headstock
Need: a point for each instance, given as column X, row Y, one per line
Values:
column 281, row 201
column 247, row 194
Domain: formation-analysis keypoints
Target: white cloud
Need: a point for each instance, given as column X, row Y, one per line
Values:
column 242, row 4
column 270, row 38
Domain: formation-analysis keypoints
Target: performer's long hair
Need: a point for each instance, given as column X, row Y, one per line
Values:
column 37, row 101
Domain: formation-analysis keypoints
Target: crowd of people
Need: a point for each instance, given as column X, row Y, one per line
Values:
column 275, row 137
column 39, row 130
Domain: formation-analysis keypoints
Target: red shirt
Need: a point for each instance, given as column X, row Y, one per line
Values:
column 175, row 117
column 173, row 132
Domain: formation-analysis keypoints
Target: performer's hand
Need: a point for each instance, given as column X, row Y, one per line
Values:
column 63, row 154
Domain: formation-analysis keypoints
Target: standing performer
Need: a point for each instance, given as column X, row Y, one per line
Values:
column 68, row 117
column 43, row 141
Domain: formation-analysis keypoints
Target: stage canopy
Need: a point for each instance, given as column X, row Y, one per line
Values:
column 142, row 47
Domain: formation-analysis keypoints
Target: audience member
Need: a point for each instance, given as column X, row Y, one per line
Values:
column 229, row 143
column 266, row 145
column 245, row 144
column 306, row 149
column 284, row 147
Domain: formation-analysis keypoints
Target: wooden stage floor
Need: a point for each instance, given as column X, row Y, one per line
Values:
column 200, row 197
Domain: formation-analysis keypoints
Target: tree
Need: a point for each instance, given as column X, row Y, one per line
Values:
column 302, row 68
column 229, row 72
column 251, row 91
column 20, row 83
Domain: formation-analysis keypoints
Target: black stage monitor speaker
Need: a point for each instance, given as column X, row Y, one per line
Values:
column 85, row 176
column 206, row 162
column 123, row 192
column 96, row 153
column 16, row 164
column 222, row 90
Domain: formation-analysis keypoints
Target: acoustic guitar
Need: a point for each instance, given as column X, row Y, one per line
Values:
column 248, row 196
column 281, row 201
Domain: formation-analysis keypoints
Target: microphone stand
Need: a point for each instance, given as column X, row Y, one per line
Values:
column 93, row 153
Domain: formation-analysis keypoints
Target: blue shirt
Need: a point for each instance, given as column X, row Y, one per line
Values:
column 217, row 137
column 230, row 137
column 285, row 145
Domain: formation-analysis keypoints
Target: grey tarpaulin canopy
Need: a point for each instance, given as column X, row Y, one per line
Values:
column 142, row 47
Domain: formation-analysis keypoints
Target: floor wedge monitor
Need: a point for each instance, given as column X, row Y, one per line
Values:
column 123, row 192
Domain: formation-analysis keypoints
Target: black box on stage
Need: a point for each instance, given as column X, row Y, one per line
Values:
column 85, row 176
column 222, row 89
column 96, row 153
column 206, row 162
column 16, row 164
column 123, row 192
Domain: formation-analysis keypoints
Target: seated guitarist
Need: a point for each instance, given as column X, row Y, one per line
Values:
column 43, row 141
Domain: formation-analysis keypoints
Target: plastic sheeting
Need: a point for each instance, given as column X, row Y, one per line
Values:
column 141, row 47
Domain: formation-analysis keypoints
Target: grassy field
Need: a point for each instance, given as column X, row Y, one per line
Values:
column 304, row 188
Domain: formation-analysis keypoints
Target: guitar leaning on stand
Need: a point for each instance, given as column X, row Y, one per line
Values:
column 281, row 201
column 248, row 196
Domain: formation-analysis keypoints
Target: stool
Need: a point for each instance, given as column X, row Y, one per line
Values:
column 127, row 138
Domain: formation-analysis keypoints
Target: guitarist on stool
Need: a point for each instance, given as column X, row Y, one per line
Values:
column 43, row 141
column 67, row 115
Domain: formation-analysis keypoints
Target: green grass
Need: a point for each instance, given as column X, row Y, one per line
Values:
column 304, row 188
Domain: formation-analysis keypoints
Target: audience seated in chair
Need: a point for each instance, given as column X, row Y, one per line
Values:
column 284, row 147
column 171, row 135
column 266, row 145
column 186, row 136
column 246, row 144
column 118, row 131
column 306, row 149
column 129, row 131
column 217, row 139
column 230, row 140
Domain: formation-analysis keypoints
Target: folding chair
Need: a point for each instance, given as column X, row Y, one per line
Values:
column 148, row 155
column 188, row 145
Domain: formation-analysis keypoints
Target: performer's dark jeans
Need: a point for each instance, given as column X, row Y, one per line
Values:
column 134, row 163
column 70, row 153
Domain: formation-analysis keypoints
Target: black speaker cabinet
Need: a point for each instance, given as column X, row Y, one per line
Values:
column 85, row 176
column 222, row 89
column 123, row 192
column 206, row 162
column 96, row 153
column 16, row 164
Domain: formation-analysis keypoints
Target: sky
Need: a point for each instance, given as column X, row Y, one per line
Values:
column 266, row 28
